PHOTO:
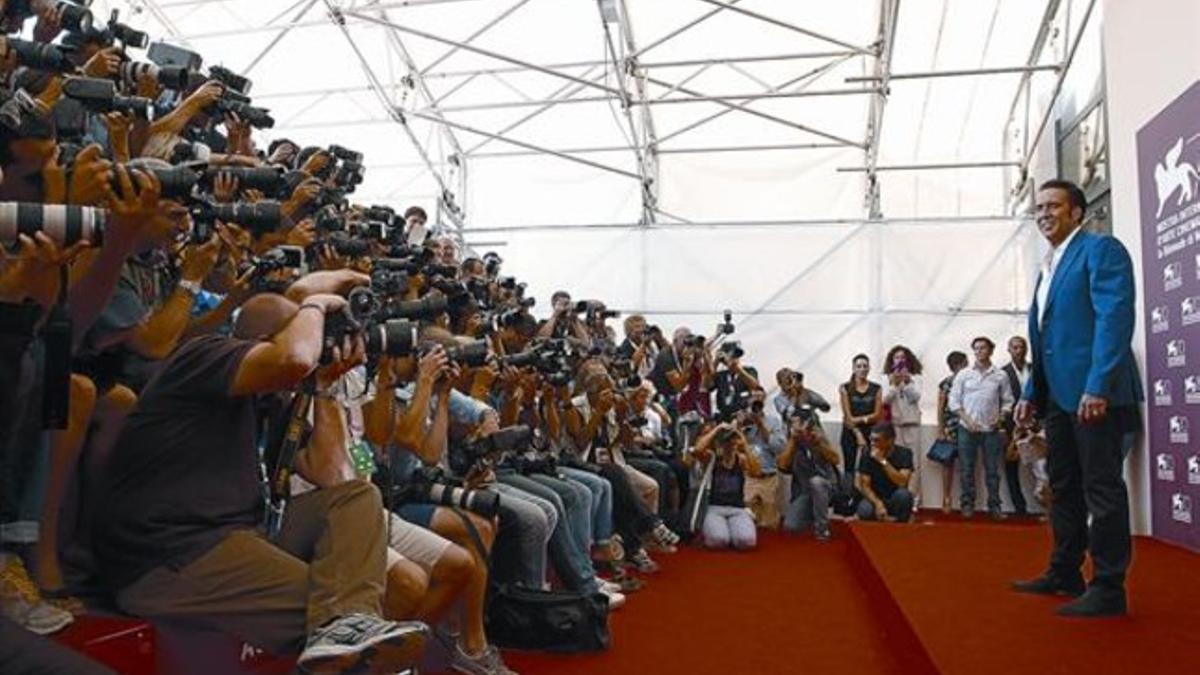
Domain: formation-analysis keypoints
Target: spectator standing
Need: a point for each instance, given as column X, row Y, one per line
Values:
column 862, row 407
column 981, row 398
column 902, row 398
column 948, row 422
column 1017, row 370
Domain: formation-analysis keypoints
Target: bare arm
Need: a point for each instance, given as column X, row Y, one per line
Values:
column 284, row 361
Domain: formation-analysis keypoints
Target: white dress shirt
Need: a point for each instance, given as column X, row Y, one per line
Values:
column 982, row 396
column 1048, row 269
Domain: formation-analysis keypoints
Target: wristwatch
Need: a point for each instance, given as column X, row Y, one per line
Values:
column 192, row 287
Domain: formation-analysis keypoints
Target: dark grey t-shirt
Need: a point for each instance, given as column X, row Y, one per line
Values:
column 185, row 468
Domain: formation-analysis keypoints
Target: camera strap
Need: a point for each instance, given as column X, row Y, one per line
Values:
column 279, row 488
column 56, row 368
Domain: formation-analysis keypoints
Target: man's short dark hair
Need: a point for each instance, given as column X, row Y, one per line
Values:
column 415, row 211
column 1021, row 338
column 1075, row 194
column 955, row 359
column 884, row 429
column 559, row 294
column 991, row 345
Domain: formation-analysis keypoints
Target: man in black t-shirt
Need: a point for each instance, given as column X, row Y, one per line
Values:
column 882, row 476
column 179, row 537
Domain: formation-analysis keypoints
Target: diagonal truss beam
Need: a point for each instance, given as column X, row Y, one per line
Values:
column 682, row 29
column 792, row 27
column 279, row 36
column 740, row 105
column 481, row 51
column 447, row 195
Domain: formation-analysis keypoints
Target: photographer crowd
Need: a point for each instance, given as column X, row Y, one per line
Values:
column 234, row 399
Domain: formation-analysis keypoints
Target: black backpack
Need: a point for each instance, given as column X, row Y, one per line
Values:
column 557, row 621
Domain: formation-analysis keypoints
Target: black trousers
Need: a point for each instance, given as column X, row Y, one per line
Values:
column 1012, row 476
column 1085, row 463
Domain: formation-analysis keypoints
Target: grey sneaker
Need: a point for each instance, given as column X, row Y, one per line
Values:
column 641, row 562
column 487, row 662
column 363, row 643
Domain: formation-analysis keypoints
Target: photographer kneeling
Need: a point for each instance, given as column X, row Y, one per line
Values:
column 727, row 522
column 179, row 537
column 812, row 462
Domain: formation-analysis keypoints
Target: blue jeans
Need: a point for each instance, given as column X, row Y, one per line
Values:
column 969, row 443
column 602, row 517
column 899, row 506
column 577, row 500
column 574, row 567
column 519, row 554
column 809, row 504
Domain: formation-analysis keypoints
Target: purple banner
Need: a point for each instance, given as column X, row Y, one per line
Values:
column 1168, row 149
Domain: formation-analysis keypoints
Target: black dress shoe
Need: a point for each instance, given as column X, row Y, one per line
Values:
column 1096, row 602
column 1050, row 584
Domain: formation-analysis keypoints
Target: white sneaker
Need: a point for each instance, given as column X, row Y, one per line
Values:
column 362, row 643
column 616, row 599
column 608, row 586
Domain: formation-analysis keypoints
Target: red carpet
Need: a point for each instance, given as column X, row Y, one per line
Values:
column 791, row 606
column 950, row 581
column 880, row 599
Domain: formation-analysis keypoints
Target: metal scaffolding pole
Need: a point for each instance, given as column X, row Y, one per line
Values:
column 1035, row 52
column 969, row 72
column 679, row 31
column 784, row 24
column 1058, row 86
column 811, row 76
column 278, row 37
column 484, row 52
column 722, row 98
column 739, row 105
column 471, row 38
column 889, row 12
column 928, row 167
column 741, row 224
column 520, row 144
column 640, row 142
column 336, row 16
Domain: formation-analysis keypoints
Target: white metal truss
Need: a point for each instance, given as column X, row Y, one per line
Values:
column 633, row 81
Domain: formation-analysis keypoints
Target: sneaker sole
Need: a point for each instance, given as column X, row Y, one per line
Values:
column 388, row 655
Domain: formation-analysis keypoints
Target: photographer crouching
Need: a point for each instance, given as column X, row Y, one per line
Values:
column 179, row 534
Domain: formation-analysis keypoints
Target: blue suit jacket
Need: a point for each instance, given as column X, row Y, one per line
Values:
column 1083, row 343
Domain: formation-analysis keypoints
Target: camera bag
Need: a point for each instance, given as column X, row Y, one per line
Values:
column 557, row 621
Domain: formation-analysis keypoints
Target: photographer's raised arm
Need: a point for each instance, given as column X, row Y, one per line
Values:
column 325, row 460
column 130, row 211
column 177, row 120
column 283, row 362
column 160, row 333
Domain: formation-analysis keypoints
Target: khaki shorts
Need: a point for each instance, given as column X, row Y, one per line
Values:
column 412, row 542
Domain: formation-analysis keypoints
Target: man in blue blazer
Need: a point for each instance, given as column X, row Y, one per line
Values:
column 1086, row 386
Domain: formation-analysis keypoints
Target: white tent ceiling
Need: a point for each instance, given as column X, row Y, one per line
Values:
column 316, row 83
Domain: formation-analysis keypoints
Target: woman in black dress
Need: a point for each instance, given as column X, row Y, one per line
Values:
column 862, row 406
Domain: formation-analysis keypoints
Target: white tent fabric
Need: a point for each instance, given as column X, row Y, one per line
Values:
column 746, row 218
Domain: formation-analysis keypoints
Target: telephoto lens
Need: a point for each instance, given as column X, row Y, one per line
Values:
column 266, row 179
column 425, row 308
column 395, row 337
column 472, row 354
column 39, row 56
column 259, row 217
column 75, row 17
column 64, row 223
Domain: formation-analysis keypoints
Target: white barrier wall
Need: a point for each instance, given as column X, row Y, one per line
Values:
column 1151, row 58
